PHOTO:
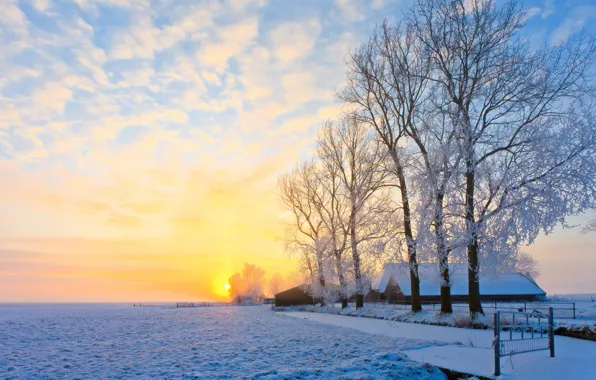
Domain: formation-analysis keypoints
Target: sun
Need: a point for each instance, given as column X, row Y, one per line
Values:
column 227, row 286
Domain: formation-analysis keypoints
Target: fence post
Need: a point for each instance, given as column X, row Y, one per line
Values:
column 574, row 310
column 497, row 343
column 551, row 332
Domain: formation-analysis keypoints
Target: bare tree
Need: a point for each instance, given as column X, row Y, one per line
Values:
column 519, row 262
column 369, row 89
column 247, row 285
column 306, row 235
column 276, row 284
column 500, row 93
column 350, row 152
column 334, row 208
column 527, row 265
column 590, row 226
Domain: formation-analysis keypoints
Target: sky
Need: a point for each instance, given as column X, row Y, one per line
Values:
column 141, row 141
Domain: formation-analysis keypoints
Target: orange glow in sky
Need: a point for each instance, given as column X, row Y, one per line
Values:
column 139, row 157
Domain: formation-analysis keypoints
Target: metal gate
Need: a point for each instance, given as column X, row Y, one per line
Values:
column 517, row 332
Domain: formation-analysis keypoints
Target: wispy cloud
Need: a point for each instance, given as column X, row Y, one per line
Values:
column 577, row 19
column 132, row 127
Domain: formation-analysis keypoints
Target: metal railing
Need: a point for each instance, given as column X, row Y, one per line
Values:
column 561, row 309
column 198, row 304
column 523, row 332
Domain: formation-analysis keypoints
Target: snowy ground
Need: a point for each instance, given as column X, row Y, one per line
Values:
column 469, row 351
column 119, row 341
column 585, row 313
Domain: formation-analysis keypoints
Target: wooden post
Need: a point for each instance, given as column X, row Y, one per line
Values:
column 497, row 343
column 551, row 332
column 574, row 310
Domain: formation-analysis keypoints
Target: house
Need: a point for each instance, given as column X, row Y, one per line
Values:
column 393, row 284
column 298, row 295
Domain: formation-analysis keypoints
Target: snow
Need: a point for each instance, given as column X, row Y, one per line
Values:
column 585, row 312
column 469, row 351
column 403, row 330
column 496, row 284
column 119, row 341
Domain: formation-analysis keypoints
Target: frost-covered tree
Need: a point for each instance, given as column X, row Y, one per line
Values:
column 306, row 234
column 590, row 226
column 247, row 284
column 369, row 89
column 276, row 284
column 352, row 161
column 527, row 265
column 334, row 212
column 390, row 75
column 509, row 102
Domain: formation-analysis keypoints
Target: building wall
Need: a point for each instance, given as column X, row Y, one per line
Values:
column 495, row 297
column 393, row 292
column 293, row 297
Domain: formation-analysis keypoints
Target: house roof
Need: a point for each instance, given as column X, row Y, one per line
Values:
column 490, row 284
column 304, row 288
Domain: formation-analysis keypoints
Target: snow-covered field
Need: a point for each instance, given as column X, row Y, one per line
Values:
column 119, row 341
column 585, row 313
column 470, row 351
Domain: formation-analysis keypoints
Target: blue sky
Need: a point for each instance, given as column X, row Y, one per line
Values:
column 142, row 127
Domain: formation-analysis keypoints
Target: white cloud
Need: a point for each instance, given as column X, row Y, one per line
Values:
column 301, row 86
column 107, row 127
column 211, row 77
column 9, row 116
column 137, row 77
column 51, row 98
column 549, row 8
column 295, row 40
column 138, row 41
column 13, row 17
column 187, row 25
column 227, row 41
column 31, row 135
column 576, row 20
column 378, row 4
column 532, row 12
column 299, row 124
column 351, row 10
column 42, row 5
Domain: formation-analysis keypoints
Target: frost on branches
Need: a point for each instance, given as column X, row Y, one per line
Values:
column 465, row 142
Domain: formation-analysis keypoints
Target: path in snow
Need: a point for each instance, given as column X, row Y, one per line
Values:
column 119, row 341
column 470, row 350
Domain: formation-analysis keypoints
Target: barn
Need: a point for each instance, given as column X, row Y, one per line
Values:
column 294, row 296
column 393, row 285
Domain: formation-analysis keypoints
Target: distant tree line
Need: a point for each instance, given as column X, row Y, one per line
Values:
column 459, row 142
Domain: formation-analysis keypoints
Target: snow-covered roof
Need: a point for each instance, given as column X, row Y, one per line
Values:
column 490, row 284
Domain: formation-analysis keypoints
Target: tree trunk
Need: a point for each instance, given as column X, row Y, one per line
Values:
column 414, row 279
column 446, row 306
column 356, row 259
column 321, row 277
column 475, row 305
column 342, row 280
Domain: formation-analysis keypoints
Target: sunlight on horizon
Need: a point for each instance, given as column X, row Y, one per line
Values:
column 141, row 142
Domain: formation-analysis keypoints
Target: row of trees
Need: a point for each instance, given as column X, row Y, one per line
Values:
column 250, row 285
column 462, row 142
